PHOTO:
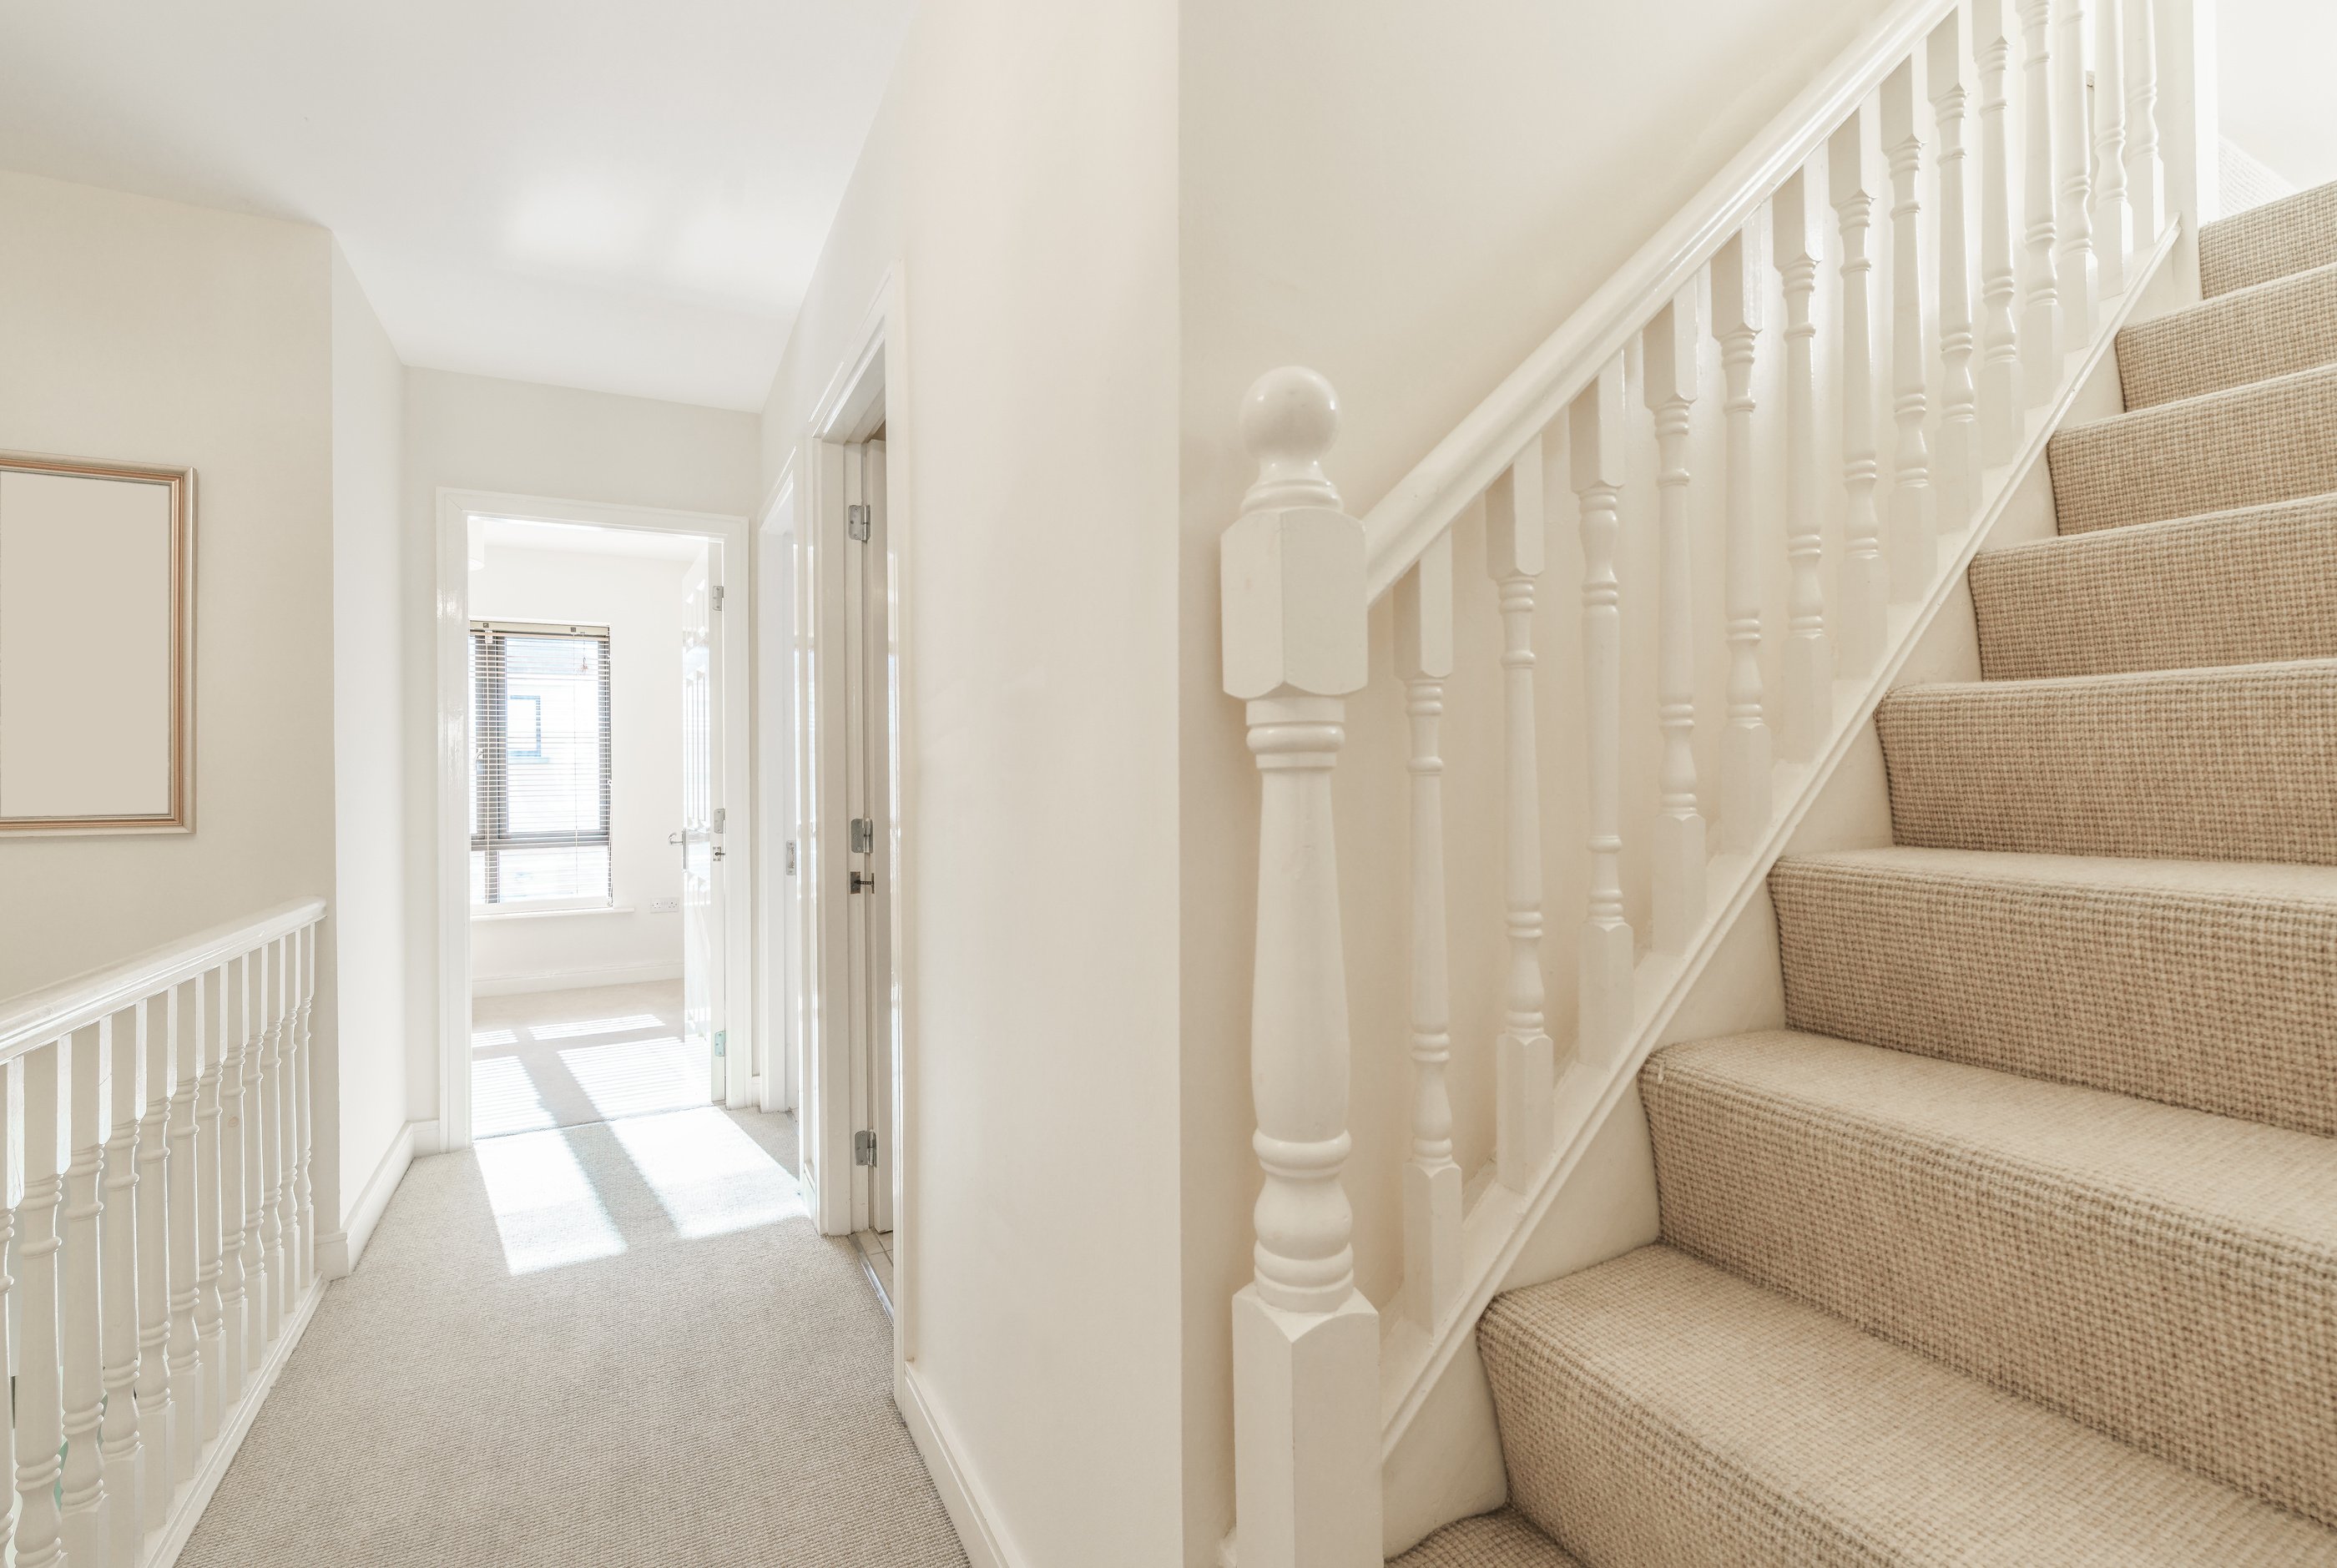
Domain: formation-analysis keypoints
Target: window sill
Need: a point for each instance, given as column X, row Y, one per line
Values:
column 499, row 913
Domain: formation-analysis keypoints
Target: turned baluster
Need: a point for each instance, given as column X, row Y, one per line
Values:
column 2002, row 411
column 85, row 1535
column 1668, row 347
column 1432, row 1180
column 2145, row 177
column 2113, row 217
column 1745, row 747
column 157, row 1409
column 9, row 1199
column 235, row 1009
column 1865, row 588
column 1305, row 1342
column 1525, row 1065
column 2040, row 303
column 253, row 1175
column 186, row 1359
column 1914, row 552
column 1959, row 461
column 2072, row 151
column 303, row 1201
column 1595, row 438
column 273, row 1102
column 1805, row 710
column 121, row 1319
column 40, row 1395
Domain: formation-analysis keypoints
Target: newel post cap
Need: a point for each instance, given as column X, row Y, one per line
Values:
column 1292, row 566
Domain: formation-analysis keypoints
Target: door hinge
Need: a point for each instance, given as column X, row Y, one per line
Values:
column 717, row 596
column 791, row 857
column 864, row 1148
column 722, row 814
column 721, row 1042
column 862, row 882
column 856, row 522
column 864, row 835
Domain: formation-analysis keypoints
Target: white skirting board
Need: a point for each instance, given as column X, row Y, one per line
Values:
column 573, row 979
column 337, row 1251
column 962, row 1498
column 163, row 1546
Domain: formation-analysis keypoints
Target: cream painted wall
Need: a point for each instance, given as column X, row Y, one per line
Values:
column 155, row 332
column 2273, row 70
column 639, row 599
column 368, row 743
column 1021, row 176
column 477, row 432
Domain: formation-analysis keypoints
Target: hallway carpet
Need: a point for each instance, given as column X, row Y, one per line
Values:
column 682, row 1372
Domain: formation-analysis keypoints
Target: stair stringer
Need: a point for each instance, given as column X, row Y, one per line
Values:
column 1596, row 1199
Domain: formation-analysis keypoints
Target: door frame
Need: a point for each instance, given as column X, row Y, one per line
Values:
column 728, row 568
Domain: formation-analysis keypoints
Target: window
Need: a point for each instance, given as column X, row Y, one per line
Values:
column 540, row 786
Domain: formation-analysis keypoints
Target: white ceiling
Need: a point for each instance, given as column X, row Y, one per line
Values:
column 623, row 195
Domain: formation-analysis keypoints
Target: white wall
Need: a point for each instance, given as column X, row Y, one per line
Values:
column 639, row 599
column 368, row 744
column 1021, row 176
column 477, row 432
column 2277, row 101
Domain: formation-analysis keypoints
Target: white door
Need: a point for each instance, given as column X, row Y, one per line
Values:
column 869, row 796
column 702, row 946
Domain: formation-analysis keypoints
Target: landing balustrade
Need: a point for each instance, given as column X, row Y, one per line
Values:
column 155, row 1132
column 1746, row 536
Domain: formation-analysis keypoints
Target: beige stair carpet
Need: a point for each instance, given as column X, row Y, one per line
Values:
column 2295, row 234
column 2276, row 328
column 2245, row 587
column 1658, row 1412
column 2193, row 983
column 2162, row 1275
column 2246, row 447
column 1503, row 1539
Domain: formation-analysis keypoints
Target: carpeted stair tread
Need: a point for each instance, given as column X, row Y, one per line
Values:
column 1504, row 1538
column 1658, row 1412
column 2295, row 234
column 2197, row 983
column 2163, row 1275
column 2252, row 586
column 2275, row 328
column 2250, row 445
column 2237, row 763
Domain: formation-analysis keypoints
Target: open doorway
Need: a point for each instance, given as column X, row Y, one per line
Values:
column 591, row 922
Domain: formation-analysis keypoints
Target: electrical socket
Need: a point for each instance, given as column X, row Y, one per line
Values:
column 664, row 906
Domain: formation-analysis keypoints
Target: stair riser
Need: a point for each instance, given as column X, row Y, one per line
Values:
column 2285, row 326
column 2212, row 1347
column 2264, row 443
column 2242, row 588
column 2221, row 1005
column 2238, row 765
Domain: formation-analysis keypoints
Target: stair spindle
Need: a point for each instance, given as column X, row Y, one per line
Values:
column 303, row 1199
column 2146, row 176
column 273, row 1170
column 2073, row 148
column 186, row 1362
column 1806, row 707
column 85, row 1535
column 253, row 1175
column 2002, row 411
column 233, row 1012
column 1746, row 754
column 2113, row 216
column 156, row 1404
column 1865, row 587
column 1668, row 347
column 120, row 1320
column 2040, row 300
column 1432, row 1180
column 40, row 1363
column 1914, row 550
column 1596, row 434
column 10, row 1100
column 1525, row 1061
column 1958, row 484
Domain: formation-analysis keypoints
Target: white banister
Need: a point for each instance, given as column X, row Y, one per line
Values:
column 40, row 1353
column 2146, row 175
column 1595, row 445
column 78, row 1322
column 120, row 1446
column 2002, row 410
column 234, row 1016
column 186, row 1362
column 1306, row 1340
column 10, row 1109
column 156, row 1406
column 1806, row 709
column 216, row 1338
column 2073, row 145
column 1669, row 352
column 1865, row 587
column 2114, row 234
column 1525, row 1067
column 1745, row 753
column 1914, row 552
column 2040, row 303
column 250, row 1172
column 1432, row 1180
column 273, row 1102
column 303, row 1199
column 1959, row 460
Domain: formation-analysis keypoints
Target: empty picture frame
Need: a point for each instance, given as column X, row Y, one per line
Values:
column 97, row 647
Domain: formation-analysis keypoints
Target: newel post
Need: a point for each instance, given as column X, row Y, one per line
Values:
column 1306, row 1422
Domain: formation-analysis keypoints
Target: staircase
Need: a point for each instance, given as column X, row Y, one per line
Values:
column 2018, row 1244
